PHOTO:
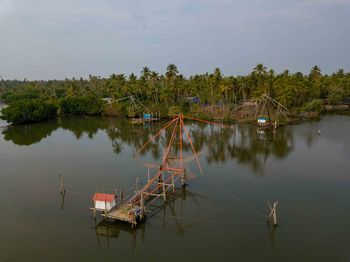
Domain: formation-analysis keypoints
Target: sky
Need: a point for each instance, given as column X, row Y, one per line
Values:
column 57, row 39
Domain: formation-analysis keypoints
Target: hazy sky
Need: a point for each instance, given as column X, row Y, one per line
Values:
column 46, row 39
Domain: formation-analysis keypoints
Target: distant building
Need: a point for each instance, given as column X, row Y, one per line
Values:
column 193, row 99
column 262, row 121
column 107, row 100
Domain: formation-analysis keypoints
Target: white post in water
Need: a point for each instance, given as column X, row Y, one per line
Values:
column 61, row 184
column 273, row 214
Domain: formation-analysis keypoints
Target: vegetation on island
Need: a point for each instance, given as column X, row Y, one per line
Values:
column 89, row 104
column 29, row 111
column 33, row 101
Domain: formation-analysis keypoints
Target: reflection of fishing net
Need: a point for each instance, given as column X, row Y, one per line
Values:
column 131, row 112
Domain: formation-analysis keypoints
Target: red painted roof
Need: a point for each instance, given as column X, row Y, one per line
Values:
column 103, row 197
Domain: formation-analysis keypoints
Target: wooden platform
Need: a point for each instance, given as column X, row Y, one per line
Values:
column 140, row 121
column 121, row 212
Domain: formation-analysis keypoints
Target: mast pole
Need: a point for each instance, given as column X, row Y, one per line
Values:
column 180, row 138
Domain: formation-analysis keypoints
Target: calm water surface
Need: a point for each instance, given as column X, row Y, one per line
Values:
column 220, row 215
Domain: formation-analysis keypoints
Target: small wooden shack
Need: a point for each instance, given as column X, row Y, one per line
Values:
column 104, row 202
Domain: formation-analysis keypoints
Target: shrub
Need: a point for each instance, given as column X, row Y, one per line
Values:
column 85, row 105
column 174, row 110
column 28, row 111
column 11, row 97
column 113, row 109
column 315, row 105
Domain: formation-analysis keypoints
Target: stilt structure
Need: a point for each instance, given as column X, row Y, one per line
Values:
column 265, row 110
column 139, row 113
column 134, row 208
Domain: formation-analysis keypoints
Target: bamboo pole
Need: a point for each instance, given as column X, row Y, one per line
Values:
column 173, row 182
column 193, row 149
column 166, row 154
column 153, row 137
column 142, row 207
column 164, row 193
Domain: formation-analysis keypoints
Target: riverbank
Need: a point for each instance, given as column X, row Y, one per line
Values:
column 224, row 114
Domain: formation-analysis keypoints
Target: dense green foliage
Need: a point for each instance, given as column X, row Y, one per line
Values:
column 162, row 92
column 83, row 105
column 28, row 111
column 11, row 97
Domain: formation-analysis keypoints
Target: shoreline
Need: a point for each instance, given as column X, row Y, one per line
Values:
column 293, row 118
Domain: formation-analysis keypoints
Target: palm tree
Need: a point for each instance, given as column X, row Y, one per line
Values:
column 260, row 69
column 145, row 72
column 171, row 75
column 171, row 71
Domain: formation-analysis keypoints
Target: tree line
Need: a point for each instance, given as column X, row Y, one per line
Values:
column 296, row 91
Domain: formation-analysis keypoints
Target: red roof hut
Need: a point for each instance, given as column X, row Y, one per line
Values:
column 104, row 202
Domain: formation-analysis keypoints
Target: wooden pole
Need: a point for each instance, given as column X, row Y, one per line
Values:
column 63, row 197
column 163, row 184
column 273, row 213
column 192, row 146
column 180, row 141
column 173, row 182
column 153, row 137
column 142, row 206
column 183, row 178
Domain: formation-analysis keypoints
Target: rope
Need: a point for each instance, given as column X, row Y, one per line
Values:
column 212, row 220
column 244, row 203
column 236, row 197
column 78, row 194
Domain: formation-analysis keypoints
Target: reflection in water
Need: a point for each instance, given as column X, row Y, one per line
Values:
column 242, row 143
column 168, row 214
column 254, row 147
column 25, row 135
column 106, row 230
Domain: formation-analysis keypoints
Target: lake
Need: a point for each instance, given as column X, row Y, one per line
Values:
column 220, row 216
